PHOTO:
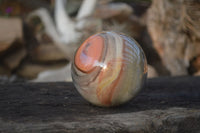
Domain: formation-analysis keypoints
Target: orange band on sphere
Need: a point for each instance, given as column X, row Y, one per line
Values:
column 88, row 53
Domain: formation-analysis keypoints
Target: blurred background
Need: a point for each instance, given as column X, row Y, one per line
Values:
column 38, row 38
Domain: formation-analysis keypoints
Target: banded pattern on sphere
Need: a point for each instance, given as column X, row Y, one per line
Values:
column 109, row 68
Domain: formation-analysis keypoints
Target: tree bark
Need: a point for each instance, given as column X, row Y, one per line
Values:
column 174, row 26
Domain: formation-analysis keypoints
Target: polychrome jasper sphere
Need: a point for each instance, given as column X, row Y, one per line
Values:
column 109, row 69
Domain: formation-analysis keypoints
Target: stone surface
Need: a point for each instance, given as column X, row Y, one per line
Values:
column 109, row 68
column 165, row 105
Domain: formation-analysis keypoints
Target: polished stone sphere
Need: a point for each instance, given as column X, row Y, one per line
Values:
column 109, row 69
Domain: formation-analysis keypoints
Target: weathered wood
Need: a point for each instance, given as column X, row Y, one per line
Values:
column 174, row 27
column 165, row 105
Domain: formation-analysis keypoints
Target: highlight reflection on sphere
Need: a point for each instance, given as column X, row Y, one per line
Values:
column 109, row 69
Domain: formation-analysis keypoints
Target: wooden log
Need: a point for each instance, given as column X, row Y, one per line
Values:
column 10, row 33
column 164, row 105
column 47, row 53
column 175, row 31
